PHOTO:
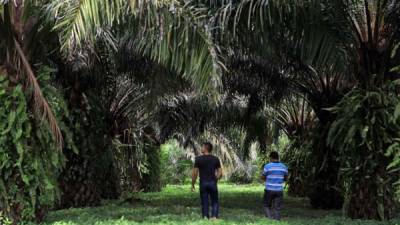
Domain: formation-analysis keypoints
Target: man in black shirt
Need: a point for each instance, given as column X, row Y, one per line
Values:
column 210, row 171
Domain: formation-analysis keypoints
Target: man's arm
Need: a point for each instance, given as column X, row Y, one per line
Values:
column 195, row 174
column 218, row 170
column 218, row 173
column 263, row 176
column 285, row 178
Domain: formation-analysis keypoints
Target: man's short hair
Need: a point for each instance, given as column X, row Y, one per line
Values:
column 208, row 146
column 274, row 155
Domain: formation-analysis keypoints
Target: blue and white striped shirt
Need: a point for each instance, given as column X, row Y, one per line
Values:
column 275, row 173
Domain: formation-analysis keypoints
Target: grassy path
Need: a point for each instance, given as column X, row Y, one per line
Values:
column 177, row 205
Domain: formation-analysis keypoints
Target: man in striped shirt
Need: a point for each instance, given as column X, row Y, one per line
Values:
column 274, row 174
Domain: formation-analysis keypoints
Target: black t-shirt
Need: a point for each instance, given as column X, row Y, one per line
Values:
column 207, row 165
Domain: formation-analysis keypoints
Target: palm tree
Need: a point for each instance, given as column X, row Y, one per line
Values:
column 158, row 29
column 166, row 33
column 297, row 120
column 330, row 46
column 26, row 41
column 278, row 34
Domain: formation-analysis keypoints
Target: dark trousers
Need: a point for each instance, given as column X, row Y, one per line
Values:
column 273, row 201
column 209, row 190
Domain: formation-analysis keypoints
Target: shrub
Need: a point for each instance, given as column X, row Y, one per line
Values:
column 296, row 156
column 244, row 174
column 175, row 164
column 152, row 178
column 366, row 135
column 29, row 160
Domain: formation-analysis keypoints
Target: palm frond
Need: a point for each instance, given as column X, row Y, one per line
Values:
column 78, row 21
column 190, row 116
column 295, row 117
column 41, row 105
column 180, row 37
column 171, row 33
column 294, row 34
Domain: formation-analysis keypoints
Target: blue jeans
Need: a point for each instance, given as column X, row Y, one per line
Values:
column 209, row 190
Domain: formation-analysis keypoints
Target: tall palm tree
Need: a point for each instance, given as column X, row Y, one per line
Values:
column 297, row 120
column 330, row 46
column 295, row 39
column 168, row 32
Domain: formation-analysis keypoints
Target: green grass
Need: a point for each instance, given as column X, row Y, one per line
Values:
column 177, row 205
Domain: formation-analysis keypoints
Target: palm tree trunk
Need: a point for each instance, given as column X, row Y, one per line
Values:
column 151, row 181
column 371, row 193
column 76, row 182
column 368, row 200
column 324, row 190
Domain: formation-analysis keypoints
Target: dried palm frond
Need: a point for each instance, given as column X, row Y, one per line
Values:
column 40, row 104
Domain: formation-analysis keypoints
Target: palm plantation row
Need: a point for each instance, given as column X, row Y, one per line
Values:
column 91, row 89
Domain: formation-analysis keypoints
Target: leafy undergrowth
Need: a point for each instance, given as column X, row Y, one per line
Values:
column 177, row 205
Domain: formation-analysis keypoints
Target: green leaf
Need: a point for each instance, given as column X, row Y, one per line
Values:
column 364, row 132
column 10, row 122
column 397, row 112
column 25, row 179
